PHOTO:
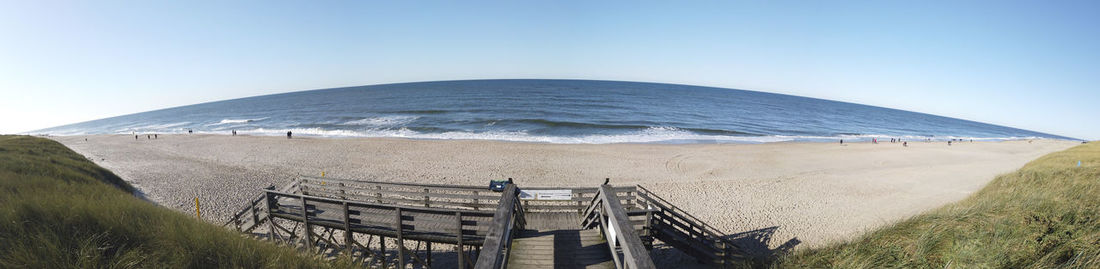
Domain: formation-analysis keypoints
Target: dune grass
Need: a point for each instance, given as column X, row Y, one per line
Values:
column 59, row 210
column 1045, row 215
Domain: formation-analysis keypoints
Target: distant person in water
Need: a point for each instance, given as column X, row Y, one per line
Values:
column 189, row 131
column 288, row 133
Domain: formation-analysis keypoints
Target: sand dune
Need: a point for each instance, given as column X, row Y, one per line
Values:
column 804, row 193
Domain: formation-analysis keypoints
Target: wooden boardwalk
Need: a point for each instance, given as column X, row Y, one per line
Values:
column 401, row 225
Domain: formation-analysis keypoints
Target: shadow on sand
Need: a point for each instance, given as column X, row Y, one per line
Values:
column 755, row 243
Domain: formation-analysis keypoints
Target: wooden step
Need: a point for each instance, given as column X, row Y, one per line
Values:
column 560, row 249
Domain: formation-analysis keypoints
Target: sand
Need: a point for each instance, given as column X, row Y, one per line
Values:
column 798, row 194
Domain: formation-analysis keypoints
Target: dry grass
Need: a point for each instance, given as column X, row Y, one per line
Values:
column 59, row 210
column 1045, row 215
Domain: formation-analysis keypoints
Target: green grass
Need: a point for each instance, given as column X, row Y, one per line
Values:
column 1045, row 215
column 59, row 210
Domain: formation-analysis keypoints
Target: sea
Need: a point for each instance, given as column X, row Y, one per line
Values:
column 550, row 111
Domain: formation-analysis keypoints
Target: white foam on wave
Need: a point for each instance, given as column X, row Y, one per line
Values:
column 235, row 121
column 651, row 135
column 383, row 121
column 165, row 127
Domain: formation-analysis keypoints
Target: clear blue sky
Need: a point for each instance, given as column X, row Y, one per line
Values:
column 1028, row 64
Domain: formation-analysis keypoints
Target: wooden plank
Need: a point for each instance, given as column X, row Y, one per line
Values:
column 347, row 229
column 363, row 204
column 500, row 232
column 400, row 240
column 394, row 184
column 459, row 250
column 308, row 229
column 431, row 193
column 398, row 200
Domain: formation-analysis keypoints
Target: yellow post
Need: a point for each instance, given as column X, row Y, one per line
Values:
column 322, row 173
column 197, row 213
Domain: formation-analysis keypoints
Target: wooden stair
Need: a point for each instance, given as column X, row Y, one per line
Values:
column 560, row 249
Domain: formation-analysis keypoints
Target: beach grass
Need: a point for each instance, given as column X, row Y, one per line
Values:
column 1044, row 215
column 59, row 210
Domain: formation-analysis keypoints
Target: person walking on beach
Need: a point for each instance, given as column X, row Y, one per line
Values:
column 288, row 133
column 904, row 144
column 135, row 137
column 234, row 132
column 874, row 140
column 154, row 136
column 842, row 141
column 948, row 143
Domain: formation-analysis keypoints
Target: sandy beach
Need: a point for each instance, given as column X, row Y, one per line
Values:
column 805, row 194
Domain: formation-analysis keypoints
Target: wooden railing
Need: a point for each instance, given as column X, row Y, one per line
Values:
column 407, row 194
column 254, row 214
column 687, row 233
column 508, row 221
column 623, row 241
column 450, row 226
column 476, row 218
column 581, row 199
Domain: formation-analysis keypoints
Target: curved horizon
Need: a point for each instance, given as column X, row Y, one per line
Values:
column 534, row 80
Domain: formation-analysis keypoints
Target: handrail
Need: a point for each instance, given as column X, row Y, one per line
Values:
column 618, row 231
column 374, row 205
column 442, row 186
column 650, row 196
column 709, row 232
column 506, row 222
column 259, row 197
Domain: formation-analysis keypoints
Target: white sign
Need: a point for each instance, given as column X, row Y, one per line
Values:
column 555, row 195
column 611, row 234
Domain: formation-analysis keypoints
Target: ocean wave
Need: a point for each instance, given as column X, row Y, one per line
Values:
column 383, row 121
column 656, row 134
column 620, row 126
column 650, row 135
column 165, row 127
column 236, row 121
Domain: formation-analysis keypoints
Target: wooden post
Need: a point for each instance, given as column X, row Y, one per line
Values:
column 343, row 195
column 648, row 230
column 400, row 242
column 429, row 250
column 379, row 193
column 461, row 254
column 305, row 221
column 347, row 229
column 270, row 222
column 475, row 200
column 427, row 203
column 382, row 246
column 255, row 216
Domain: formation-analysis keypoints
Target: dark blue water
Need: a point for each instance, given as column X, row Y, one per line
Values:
column 554, row 111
